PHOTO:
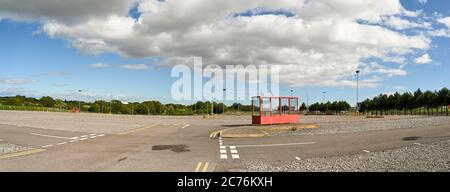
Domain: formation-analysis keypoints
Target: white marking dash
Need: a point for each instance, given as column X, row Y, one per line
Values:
column 45, row 146
column 234, row 151
column 223, row 156
column 366, row 151
column 235, row 156
column 61, row 143
column 223, row 151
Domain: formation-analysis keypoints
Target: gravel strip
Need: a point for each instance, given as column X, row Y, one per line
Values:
column 426, row 157
column 10, row 148
column 355, row 124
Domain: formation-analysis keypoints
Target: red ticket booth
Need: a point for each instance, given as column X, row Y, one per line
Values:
column 274, row 110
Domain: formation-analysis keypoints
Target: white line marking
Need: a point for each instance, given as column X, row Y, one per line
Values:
column 416, row 143
column 298, row 158
column 101, row 135
column 185, row 126
column 53, row 136
column 93, row 137
column 74, row 138
column 84, row 136
column 235, row 156
column 232, row 147
column 223, row 151
column 234, row 151
column 45, row 146
column 223, row 156
column 61, row 143
column 92, row 134
column 73, row 141
column 366, row 151
column 82, row 139
column 281, row 144
column 222, row 147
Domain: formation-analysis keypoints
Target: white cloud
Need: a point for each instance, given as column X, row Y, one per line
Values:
column 320, row 45
column 400, row 88
column 445, row 21
column 63, row 11
column 423, row 2
column 424, row 59
column 99, row 65
column 400, row 24
column 135, row 66
column 17, row 81
column 442, row 32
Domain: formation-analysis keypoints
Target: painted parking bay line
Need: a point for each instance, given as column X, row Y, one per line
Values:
column 52, row 136
column 185, row 126
column 138, row 129
column 22, row 153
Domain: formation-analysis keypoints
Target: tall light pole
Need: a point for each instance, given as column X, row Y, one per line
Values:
column 292, row 91
column 223, row 107
column 307, row 101
column 110, row 105
column 195, row 105
column 324, row 97
column 357, row 90
column 79, row 100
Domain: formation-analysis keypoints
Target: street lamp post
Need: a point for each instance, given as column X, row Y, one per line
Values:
column 307, row 101
column 357, row 90
column 79, row 101
column 324, row 97
column 292, row 91
column 223, row 106
column 195, row 105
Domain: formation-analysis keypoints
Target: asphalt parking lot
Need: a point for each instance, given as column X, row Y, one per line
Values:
column 36, row 141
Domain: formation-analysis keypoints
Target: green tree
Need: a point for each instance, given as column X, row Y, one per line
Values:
column 47, row 101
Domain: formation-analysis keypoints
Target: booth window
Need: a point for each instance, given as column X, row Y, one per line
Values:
column 285, row 105
column 256, row 106
column 266, row 106
column 275, row 106
column 294, row 105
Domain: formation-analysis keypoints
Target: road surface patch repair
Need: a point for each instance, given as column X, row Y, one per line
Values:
column 174, row 148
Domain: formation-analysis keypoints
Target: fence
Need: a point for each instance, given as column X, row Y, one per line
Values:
column 440, row 111
column 31, row 108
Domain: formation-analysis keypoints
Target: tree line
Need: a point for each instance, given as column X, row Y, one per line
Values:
column 407, row 102
column 118, row 107
column 336, row 106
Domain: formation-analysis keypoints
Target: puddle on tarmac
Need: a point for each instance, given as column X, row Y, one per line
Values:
column 174, row 148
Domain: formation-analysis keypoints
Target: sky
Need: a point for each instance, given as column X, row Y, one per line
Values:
column 125, row 49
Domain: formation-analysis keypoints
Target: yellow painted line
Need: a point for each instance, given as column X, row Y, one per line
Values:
column 198, row 166
column 206, row 167
column 22, row 153
column 138, row 129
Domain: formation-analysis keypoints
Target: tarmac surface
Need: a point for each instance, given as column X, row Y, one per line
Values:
column 37, row 141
